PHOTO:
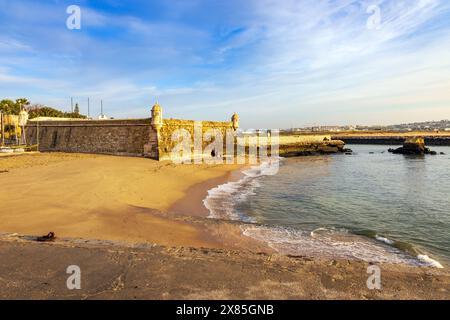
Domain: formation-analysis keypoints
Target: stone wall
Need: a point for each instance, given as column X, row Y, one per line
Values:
column 138, row 137
column 119, row 137
column 287, row 139
column 168, row 141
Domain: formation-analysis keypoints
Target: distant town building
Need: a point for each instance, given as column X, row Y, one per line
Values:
column 442, row 125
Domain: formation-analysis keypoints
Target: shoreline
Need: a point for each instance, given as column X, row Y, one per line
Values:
column 192, row 203
column 130, row 199
column 183, row 221
column 419, row 259
column 111, row 270
column 162, row 228
column 223, row 232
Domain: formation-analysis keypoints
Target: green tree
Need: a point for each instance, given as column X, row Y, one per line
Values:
column 13, row 107
column 74, row 115
column 22, row 102
column 44, row 111
column 9, row 107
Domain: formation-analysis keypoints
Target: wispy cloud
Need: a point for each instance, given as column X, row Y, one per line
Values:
column 277, row 63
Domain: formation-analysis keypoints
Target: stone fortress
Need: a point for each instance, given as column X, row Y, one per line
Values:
column 150, row 137
column 156, row 138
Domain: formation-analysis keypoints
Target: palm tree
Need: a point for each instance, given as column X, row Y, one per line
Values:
column 22, row 102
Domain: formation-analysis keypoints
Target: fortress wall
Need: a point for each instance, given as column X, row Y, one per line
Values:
column 303, row 138
column 171, row 126
column 119, row 137
column 137, row 137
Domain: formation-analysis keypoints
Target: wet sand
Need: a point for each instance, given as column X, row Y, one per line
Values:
column 111, row 271
column 192, row 204
column 102, row 197
column 155, row 239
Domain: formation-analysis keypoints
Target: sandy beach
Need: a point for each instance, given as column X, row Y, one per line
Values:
column 135, row 218
column 104, row 197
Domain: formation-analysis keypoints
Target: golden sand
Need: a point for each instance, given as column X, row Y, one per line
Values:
column 101, row 197
column 134, row 200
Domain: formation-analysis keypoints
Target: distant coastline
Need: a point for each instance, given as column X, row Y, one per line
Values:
column 392, row 138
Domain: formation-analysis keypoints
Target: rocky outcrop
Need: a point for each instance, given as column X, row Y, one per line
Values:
column 309, row 149
column 413, row 146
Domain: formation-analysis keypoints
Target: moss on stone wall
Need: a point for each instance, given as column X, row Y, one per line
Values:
column 174, row 131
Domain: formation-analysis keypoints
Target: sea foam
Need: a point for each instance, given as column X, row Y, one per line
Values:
column 223, row 202
column 385, row 240
column 429, row 262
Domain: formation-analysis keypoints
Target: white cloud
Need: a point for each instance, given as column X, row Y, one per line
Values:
column 277, row 62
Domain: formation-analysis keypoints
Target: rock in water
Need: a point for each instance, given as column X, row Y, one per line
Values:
column 413, row 146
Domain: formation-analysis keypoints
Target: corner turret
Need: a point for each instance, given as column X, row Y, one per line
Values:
column 157, row 120
column 235, row 121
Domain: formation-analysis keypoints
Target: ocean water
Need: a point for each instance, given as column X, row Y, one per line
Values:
column 372, row 205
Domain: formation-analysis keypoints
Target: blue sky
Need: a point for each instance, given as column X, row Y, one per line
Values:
column 277, row 63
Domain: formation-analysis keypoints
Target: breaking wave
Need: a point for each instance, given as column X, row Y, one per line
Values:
column 223, row 203
column 223, row 200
